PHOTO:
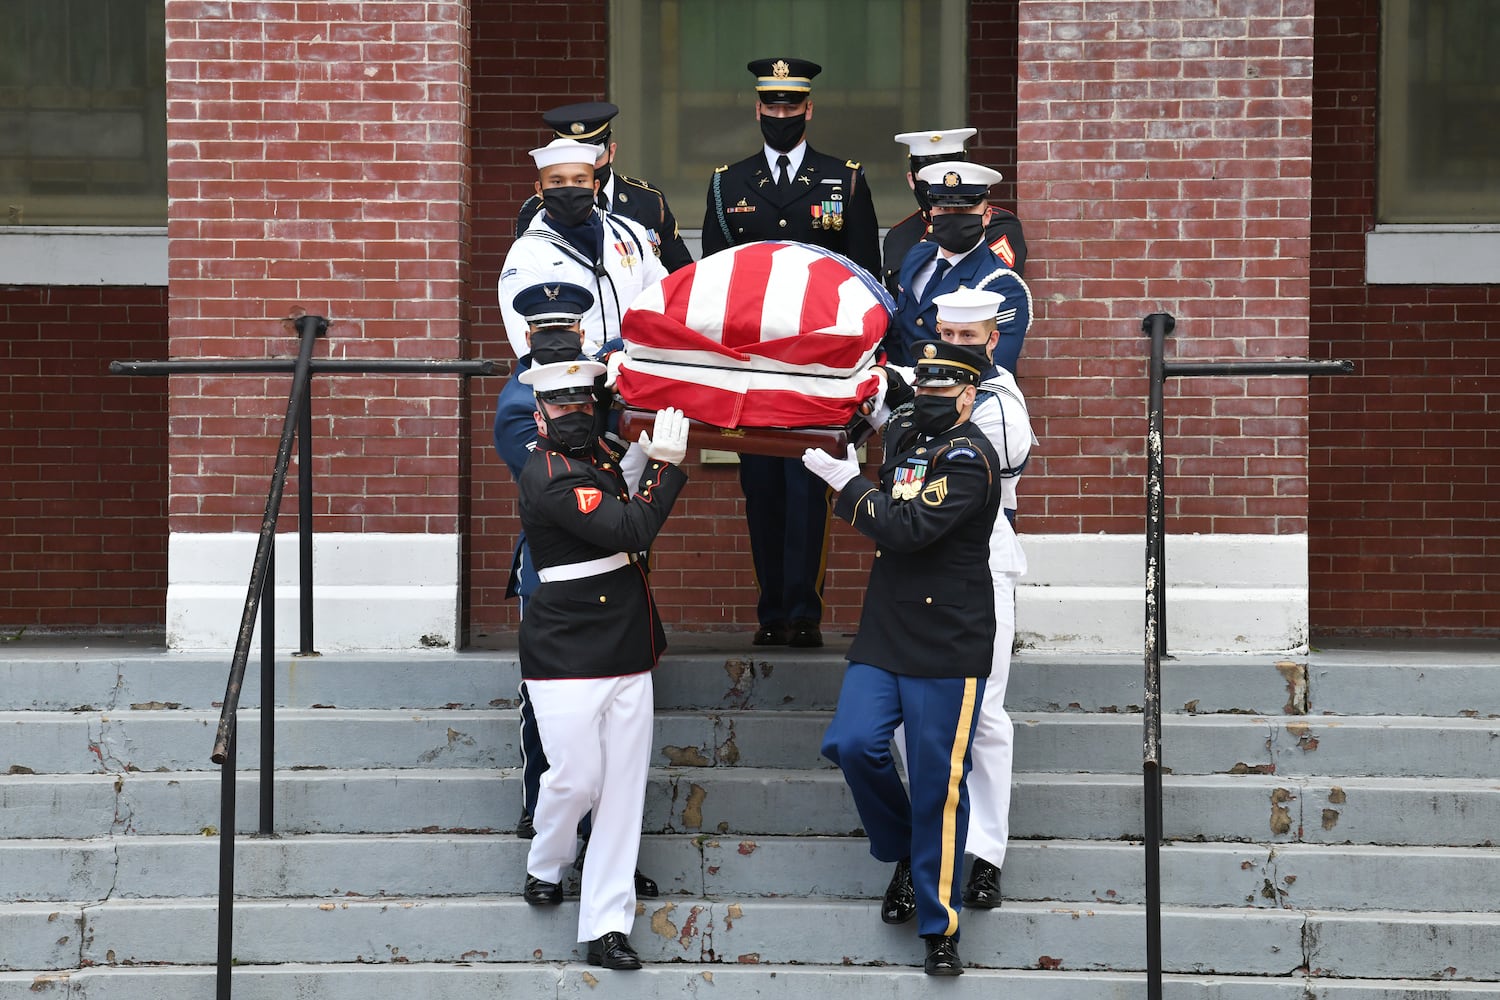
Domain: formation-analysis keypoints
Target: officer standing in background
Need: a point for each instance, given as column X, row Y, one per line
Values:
column 620, row 194
column 956, row 257
column 589, row 640
column 1002, row 230
column 789, row 191
column 925, row 640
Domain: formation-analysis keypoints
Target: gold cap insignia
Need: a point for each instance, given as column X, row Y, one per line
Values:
column 929, row 351
column 573, row 369
column 951, row 179
column 936, row 137
column 780, row 69
column 551, row 293
column 576, row 128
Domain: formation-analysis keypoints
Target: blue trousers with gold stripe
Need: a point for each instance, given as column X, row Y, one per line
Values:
column 932, row 823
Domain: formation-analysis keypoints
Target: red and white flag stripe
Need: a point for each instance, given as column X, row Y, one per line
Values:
column 763, row 335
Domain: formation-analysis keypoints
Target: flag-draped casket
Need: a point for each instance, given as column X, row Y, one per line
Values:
column 762, row 335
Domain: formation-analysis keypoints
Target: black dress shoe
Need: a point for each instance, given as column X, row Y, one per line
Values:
column 540, row 893
column 525, row 828
column 613, row 951
column 983, row 888
column 942, row 956
column 645, row 887
column 805, row 635
column 900, row 903
column 770, row 635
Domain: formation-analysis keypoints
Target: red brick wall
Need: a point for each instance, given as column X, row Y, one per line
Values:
column 1164, row 167
column 83, row 455
column 1404, row 518
column 318, row 159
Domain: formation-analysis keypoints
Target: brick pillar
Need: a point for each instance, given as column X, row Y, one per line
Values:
column 1164, row 164
column 318, row 159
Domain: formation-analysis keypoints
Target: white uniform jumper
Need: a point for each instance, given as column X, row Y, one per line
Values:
column 540, row 256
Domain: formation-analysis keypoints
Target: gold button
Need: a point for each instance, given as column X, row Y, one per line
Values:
column 929, row 600
column 919, row 321
column 782, row 223
column 877, row 553
column 605, row 600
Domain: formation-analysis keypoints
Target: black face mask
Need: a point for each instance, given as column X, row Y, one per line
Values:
column 570, row 206
column 934, row 414
column 573, row 433
column 554, row 344
column 783, row 134
column 957, row 233
column 601, row 174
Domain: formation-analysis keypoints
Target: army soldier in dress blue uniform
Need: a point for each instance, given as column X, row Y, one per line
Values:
column 811, row 197
column 955, row 257
column 789, row 191
column 589, row 640
column 1002, row 230
column 926, row 634
column 628, row 196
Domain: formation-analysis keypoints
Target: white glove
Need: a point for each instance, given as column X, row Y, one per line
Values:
column 612, row 362
column 667, row 441
column 836, row 472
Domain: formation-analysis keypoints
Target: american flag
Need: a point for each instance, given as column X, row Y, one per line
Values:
column 774, row 334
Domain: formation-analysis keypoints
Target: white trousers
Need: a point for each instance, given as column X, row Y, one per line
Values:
column 994, row 739
column 598, row 738
column 993, row 752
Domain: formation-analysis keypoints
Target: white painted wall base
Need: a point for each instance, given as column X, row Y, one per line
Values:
column 370, row 592
column 1225, row 593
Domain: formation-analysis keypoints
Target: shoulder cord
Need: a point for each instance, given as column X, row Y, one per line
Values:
column 1009, row 471
column 719, row 208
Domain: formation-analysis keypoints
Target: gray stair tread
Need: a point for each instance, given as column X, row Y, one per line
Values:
column 1069, row 871
column 573, row 981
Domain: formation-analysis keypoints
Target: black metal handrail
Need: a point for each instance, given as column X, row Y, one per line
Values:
column 1158, row 326
column 297, row 426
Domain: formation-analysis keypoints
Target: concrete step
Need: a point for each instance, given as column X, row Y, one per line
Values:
column 40, row 742
column 1067, row 871
column 722, row 672
column 43, row 742
column 572, row 981
column 1219, row 941
column 754, row 801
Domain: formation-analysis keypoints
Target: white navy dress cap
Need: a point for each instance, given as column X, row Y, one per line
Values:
column 966, row 174
column 940, row 142
column 968, row 305
column 563, row 381
column 566, row 151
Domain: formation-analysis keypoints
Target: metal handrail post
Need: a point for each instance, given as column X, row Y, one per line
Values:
column 1158, row 325
column 226, row 870
column 305, row 526
column 310, row 327
column 268, row 701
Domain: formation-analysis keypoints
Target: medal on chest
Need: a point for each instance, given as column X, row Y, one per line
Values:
column 627, row 259
column 908, row 479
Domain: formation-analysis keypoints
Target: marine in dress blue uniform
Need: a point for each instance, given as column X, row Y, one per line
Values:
column 589, row 640
column 789, row 191
column 923, row 649
column 956, row 257
column 553, row 316
column 618, row 194
column 1002, row 230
